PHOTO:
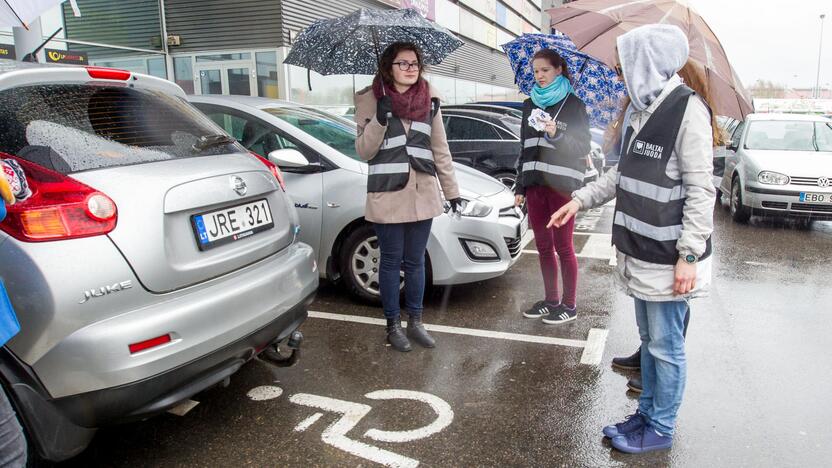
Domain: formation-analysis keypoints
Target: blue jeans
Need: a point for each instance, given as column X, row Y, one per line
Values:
column 402, row 246
column 663, row 365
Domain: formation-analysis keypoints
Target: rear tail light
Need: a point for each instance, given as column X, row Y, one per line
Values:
column 102, row 73
column 60, row 208
column 147, row 344
column 272, row 168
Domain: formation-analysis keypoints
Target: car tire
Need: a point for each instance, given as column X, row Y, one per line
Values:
column 360, row 254
column 739, row 212
column 357, row 252
column 507, row 178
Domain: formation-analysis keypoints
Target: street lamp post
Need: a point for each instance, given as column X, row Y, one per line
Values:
column 820, row 49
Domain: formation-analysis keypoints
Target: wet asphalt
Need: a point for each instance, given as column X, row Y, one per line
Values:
column 759, row 374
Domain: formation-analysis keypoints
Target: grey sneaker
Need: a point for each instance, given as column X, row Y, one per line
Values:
column 561, row 314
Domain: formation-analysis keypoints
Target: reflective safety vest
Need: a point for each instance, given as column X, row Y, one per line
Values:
column 649, row 204
column 390, row 168
column 544, row 163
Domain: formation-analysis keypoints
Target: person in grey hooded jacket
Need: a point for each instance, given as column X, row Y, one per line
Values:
column 663, row 222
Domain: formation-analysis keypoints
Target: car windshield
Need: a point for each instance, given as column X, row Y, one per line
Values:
column 334, row 131
column 513, row 124
column 789, row 135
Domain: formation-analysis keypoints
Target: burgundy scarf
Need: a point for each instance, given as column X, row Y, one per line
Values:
column 413, row 104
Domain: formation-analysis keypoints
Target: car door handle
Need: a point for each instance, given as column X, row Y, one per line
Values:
column 333, row 205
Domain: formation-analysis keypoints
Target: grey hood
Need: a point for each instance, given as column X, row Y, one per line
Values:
column 650, row 55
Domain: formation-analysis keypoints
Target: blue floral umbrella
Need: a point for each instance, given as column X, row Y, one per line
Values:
column 595, row 83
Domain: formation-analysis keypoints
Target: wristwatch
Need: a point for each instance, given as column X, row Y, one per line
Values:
column 689, row 258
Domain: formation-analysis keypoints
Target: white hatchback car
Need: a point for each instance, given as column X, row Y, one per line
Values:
column 780, row 164
column 328, row 182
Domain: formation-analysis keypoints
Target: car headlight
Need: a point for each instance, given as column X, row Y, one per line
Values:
column 772, row 178
column 472, row 208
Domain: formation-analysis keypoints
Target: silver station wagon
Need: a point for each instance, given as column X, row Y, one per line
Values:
column 780, row 165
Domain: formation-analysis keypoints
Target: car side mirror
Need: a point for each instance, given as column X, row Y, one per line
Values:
column 288, row 158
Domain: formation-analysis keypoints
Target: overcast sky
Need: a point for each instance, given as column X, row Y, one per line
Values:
column 773, row 40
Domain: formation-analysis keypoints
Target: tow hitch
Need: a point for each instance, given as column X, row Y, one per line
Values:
column 273, row 355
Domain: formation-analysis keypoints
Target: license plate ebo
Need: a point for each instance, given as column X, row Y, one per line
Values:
column 231, row 224
column 822, row 198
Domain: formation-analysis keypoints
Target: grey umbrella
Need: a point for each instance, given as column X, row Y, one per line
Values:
column 352, row 44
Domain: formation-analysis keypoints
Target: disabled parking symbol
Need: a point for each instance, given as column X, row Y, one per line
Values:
column 351, row 413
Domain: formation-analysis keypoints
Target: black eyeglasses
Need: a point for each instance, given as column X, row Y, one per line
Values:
column 405, row 66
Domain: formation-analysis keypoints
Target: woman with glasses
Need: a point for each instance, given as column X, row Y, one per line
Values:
column 401, row 136
column 555, row 142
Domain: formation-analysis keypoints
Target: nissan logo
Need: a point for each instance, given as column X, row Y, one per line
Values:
column 238, row 185
column 823, row 182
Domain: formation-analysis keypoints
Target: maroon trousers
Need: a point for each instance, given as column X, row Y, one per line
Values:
column 553, row 243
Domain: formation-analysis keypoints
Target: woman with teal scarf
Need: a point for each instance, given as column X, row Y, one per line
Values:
column 551, row 167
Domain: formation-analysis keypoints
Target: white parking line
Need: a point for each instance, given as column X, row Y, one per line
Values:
column 456, row 330
column 594, row 349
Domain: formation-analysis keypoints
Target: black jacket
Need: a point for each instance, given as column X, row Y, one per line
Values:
column 570, row 145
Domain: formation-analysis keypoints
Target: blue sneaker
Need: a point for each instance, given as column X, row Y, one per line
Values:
column 631, row 423
column 642, row 440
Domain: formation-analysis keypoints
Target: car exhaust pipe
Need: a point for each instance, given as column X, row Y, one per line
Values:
column 273, row 356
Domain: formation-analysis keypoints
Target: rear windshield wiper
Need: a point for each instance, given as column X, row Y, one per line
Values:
column 209, row 141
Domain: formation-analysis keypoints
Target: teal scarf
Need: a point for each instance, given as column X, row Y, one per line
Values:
column 555, row 92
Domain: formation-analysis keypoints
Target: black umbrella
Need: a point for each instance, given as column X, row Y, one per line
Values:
column 352, row 44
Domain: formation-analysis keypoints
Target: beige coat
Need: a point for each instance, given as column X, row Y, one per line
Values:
column 420, row 198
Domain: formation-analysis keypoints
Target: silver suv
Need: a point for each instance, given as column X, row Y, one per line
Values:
column 155, row 257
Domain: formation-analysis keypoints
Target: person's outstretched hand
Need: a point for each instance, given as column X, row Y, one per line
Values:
column 384, row 108
column 564, row 214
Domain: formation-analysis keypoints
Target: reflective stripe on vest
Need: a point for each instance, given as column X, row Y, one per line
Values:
column 421, row 127
column 390, row 168
column 420, row 153
column 552, row 169
column 394, row 142
column 651, row 191
column 657, row 233
column 530, row 142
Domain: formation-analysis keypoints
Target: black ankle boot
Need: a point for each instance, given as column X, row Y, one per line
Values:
column 416, row 331
column 395, row 335
column 628, row 363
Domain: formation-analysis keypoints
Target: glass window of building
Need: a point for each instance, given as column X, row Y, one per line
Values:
column 466, row 91
column 239, row 82
column 183, row 73
column 267, row 74
column 446, row 87
column 332, row 90
column 223, row 57
column 156, row 67
column 485, row 92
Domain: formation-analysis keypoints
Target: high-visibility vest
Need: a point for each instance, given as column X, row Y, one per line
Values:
column 649, row 204
column 543, row 163
column 390, row 168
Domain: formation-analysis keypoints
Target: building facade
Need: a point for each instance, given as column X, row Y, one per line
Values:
column 238, row 47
